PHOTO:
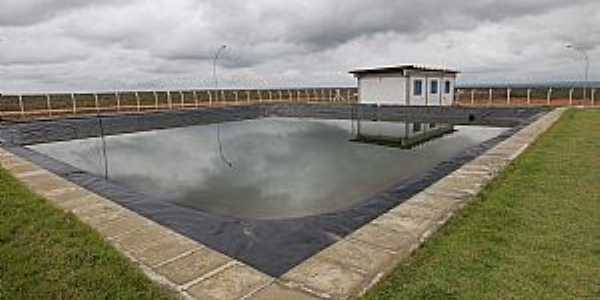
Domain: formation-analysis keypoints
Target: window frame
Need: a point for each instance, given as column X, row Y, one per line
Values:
column 434, row 87
column 447, row 87
column 418, row 92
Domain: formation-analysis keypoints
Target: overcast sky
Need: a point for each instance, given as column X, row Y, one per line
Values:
column 56, row 45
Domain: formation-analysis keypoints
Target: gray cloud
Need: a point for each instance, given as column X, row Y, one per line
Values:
column 28, row 12
column 287, row 43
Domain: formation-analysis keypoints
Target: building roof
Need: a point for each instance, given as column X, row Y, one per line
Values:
column 401, row 68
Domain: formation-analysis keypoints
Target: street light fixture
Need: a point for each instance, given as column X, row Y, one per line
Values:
column 586, row 57
column 217, row 54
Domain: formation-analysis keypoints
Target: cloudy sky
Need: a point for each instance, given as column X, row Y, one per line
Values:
column 56, row 45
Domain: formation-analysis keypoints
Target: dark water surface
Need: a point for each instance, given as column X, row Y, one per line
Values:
column 273, row 168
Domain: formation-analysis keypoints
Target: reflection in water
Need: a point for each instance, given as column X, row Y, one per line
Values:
column 281, row 168
column 400, row 134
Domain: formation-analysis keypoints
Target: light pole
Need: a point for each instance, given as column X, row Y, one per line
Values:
column 586, row 57
column 2, row 39
column 217, row 54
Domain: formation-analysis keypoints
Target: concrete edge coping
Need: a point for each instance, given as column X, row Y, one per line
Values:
column 344, row 270
column 347, row 269
column 166, row 257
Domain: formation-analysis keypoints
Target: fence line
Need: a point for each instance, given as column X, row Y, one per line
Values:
column 48, row 105
column 548, row 96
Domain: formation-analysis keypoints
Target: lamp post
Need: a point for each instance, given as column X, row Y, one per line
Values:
column 215, row 59
column 586, row 57
column 2, row 39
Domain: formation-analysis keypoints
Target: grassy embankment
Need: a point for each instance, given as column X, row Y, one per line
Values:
column 47, row 254
column 533, row 234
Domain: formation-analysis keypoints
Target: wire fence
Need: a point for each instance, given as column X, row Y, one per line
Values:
column 55, row 105
column 35, row 106
column 540, row 96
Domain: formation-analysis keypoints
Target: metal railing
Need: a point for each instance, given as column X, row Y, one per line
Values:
column 33, row 106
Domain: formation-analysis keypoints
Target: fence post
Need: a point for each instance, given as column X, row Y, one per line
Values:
column 210, row 99
column 96, row 103
column 118, row 101
column 182, row 97
column 155, row 99
column 260, row 98
column 549, row 95
column 235, row 93
column 298, row 96
column 571, row 96
column 508, row 91
column 196, row 101
column 21, row 106
column 48, row 105
column 491, row 97
column 593, row 97
column 528, row 96
column 472, row 96
column 137, row 100
column 223, row 97
column 170, row 100
column 248, row 97
column 74, row 101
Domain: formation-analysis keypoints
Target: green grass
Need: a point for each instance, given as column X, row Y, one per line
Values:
column 533, row 234
column 47, row 254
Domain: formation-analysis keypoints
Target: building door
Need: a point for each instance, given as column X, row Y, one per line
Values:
column 434, row 92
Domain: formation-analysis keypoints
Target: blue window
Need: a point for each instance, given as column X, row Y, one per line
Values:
column 447, row 87
column 434, row 86
column 418, row 87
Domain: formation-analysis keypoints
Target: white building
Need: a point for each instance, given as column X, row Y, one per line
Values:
column 406, row 85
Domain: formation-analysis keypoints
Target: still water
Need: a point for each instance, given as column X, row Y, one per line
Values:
column 271, row 168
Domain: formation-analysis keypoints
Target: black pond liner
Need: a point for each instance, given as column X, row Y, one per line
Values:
column 271, row 246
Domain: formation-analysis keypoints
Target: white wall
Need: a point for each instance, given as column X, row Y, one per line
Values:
column 383, row 89
column 427, row 97
column 390, row 89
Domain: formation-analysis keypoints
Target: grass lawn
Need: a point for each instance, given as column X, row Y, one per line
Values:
column 47, row 254
column 533, row 234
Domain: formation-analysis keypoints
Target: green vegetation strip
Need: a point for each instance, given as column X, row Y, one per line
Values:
column 533, row 234
column 47, row 254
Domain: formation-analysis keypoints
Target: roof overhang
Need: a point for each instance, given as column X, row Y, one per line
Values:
column 404, row 69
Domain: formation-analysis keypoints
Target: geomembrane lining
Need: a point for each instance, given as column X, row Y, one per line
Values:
column 271, row 246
